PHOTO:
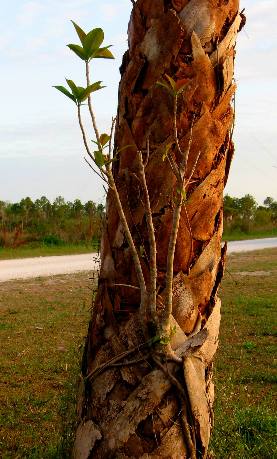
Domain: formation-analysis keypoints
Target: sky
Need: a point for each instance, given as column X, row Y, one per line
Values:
column 41, row 151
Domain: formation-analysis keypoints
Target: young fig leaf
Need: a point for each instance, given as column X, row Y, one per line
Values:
column 65, row 92
column 73, row 87
column 165, row 153
column 99, row 159
column 104, row 139
column 78, row 50
column 164, row 339
column 172, row 82
column 164, row 85
column 104, row 53
column 93, row 41
column 81, row 34
column 92, row 88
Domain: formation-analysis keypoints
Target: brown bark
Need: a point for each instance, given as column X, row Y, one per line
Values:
column 133, row 405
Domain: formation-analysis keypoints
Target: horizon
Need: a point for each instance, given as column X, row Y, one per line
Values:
column 83, row 201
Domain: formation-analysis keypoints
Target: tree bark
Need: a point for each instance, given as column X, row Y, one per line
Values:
column 132, row 405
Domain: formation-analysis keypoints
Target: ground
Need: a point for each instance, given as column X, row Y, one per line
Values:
column 43, row 325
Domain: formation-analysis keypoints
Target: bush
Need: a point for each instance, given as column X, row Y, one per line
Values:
column 51, row 240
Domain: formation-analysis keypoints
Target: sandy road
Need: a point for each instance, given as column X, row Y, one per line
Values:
column 252, row 244
column 48, row 266
column 25, row 268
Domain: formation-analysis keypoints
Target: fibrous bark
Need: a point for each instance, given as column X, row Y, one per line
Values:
column 129, row 405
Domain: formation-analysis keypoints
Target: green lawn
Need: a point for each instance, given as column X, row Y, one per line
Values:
column 43, row 325
column 245, row 371
column 239, row 236
column 44, row 251
column 36, row 250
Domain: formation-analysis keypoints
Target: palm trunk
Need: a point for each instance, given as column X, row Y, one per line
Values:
column 131, row 404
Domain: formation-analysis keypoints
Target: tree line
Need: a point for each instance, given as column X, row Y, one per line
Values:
column 62, row 222
column 244, row 215
column 56, row 223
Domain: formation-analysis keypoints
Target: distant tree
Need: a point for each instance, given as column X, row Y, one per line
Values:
column 26, row 206
column 230, row 207
column 77, row 207
column 28, row 221
column 262, row 216
column 59, row 207
column 247, row 207
column 100, row 209
column 43, row 206
column 268, row 202
column 2, row 212
column 90, row 208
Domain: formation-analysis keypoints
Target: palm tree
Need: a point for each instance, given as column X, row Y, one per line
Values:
column 175, row 116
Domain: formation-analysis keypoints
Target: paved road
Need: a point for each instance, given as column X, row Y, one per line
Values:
column 25, row 268
column 252, row 244
column 46, row 266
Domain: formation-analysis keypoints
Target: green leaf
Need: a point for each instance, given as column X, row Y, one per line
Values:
column 65, row 92
column 171, row 87
column 73, row 87
column 167, row 148
column 164, row 85
column 171, row 82
column 99, row 158
column 81, row 34
column 92, row 42
column 92, row 88
column 155, row 339
column 81, row 94
column 165, row 340
column 77, row 49
column 104, row 53
column 104, row 139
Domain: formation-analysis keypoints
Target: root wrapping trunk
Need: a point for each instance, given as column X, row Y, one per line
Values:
column 129, row 406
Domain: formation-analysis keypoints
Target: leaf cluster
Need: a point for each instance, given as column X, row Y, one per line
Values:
column 78, row 94
column 90, row 45
column 90, row 49
column 99, row 157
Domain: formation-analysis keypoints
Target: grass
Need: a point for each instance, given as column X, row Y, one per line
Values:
column 43, row 324
column 44, row 250
column 253, row 234
column 245, row 371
